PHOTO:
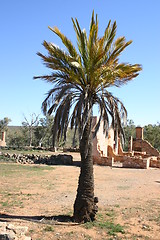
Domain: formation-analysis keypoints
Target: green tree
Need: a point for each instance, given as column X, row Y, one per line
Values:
column 43, row 132
column 4, row 124
column 81, row 79
column 152, row 134
column 16, row 139
column 129, row 130
column 29, row 126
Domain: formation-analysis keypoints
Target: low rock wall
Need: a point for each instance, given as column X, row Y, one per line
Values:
column 61, row 159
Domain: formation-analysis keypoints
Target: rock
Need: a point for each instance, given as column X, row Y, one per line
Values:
column 20, row 230
column 6, row 236
column 12, row 232
column 61, row 159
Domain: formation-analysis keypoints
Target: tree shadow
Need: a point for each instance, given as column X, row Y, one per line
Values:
column 157, row 181
column 55, row 220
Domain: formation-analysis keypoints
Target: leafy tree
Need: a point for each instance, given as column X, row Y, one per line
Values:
column 129, row 131
column 29, row 126
column 81, row 79
column 4, row 124
column 16, row 139
column 43, row 132
column 152, row 135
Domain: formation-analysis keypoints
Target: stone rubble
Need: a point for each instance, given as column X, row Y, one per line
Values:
column 11, row 232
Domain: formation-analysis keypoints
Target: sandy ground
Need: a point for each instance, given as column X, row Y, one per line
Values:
column 45, row 200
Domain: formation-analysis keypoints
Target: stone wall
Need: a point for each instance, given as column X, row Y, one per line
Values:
column 141, row 145
column 103, row 161
column 105, row 153
column 61, row 159
column 100, row 142
column 126, row 161
column 133, row 162
column 154, row 162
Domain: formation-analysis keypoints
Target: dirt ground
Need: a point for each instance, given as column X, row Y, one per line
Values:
column 42, row 199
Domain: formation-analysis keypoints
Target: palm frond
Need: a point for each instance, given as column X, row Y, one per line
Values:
column 81, row 77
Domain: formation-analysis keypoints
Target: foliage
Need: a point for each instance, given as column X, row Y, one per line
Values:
column 152, row 134
column 48, row 229
column 4, row 124
column 16, row 139
column 29, row 126
column 17, row 136
column 43, row 132
column 129, row 131
column 106, row 224
column 81, row 78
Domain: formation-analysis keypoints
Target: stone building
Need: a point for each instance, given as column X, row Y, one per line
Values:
column 2, row 139
column 141, row 153
column 140, row 145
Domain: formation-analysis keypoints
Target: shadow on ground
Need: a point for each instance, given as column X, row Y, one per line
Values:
column 56, row 220
column 157, row 181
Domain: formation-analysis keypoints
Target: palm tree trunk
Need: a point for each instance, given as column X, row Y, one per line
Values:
column 85, row 204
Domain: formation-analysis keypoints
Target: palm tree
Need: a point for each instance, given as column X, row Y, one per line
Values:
column 81, row 79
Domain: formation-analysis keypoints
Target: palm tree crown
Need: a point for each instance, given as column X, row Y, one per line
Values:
column 81, row 78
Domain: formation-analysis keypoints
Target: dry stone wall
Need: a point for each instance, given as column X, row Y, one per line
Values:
column 61, row 159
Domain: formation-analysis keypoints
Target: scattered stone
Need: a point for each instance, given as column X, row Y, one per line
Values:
column 12, row 232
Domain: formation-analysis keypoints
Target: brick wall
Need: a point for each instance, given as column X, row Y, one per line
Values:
column 144, row 146
column 103, row 161
column 132, row 162
column 155, row 163
column 100, row 142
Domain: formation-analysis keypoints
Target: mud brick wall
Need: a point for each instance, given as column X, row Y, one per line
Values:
column 144, row 146
column 100, row 142
column 117, row 158
column 103, row 161
column 154, row 163
column 132, row 162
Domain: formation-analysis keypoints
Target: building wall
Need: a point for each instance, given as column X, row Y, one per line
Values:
column 141, row 145
column 101, row 142
column 2, row 140
column 141, row 155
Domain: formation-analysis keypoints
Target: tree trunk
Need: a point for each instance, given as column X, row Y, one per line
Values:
column 85, row 204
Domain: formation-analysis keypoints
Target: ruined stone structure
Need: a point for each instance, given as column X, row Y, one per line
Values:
column 2, row 139
column 141, row 145
column 141, row 153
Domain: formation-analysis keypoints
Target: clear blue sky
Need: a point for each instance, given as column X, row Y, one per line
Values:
column 24, row 26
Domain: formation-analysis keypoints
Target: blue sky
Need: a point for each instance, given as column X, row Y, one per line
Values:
column 24, row 26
